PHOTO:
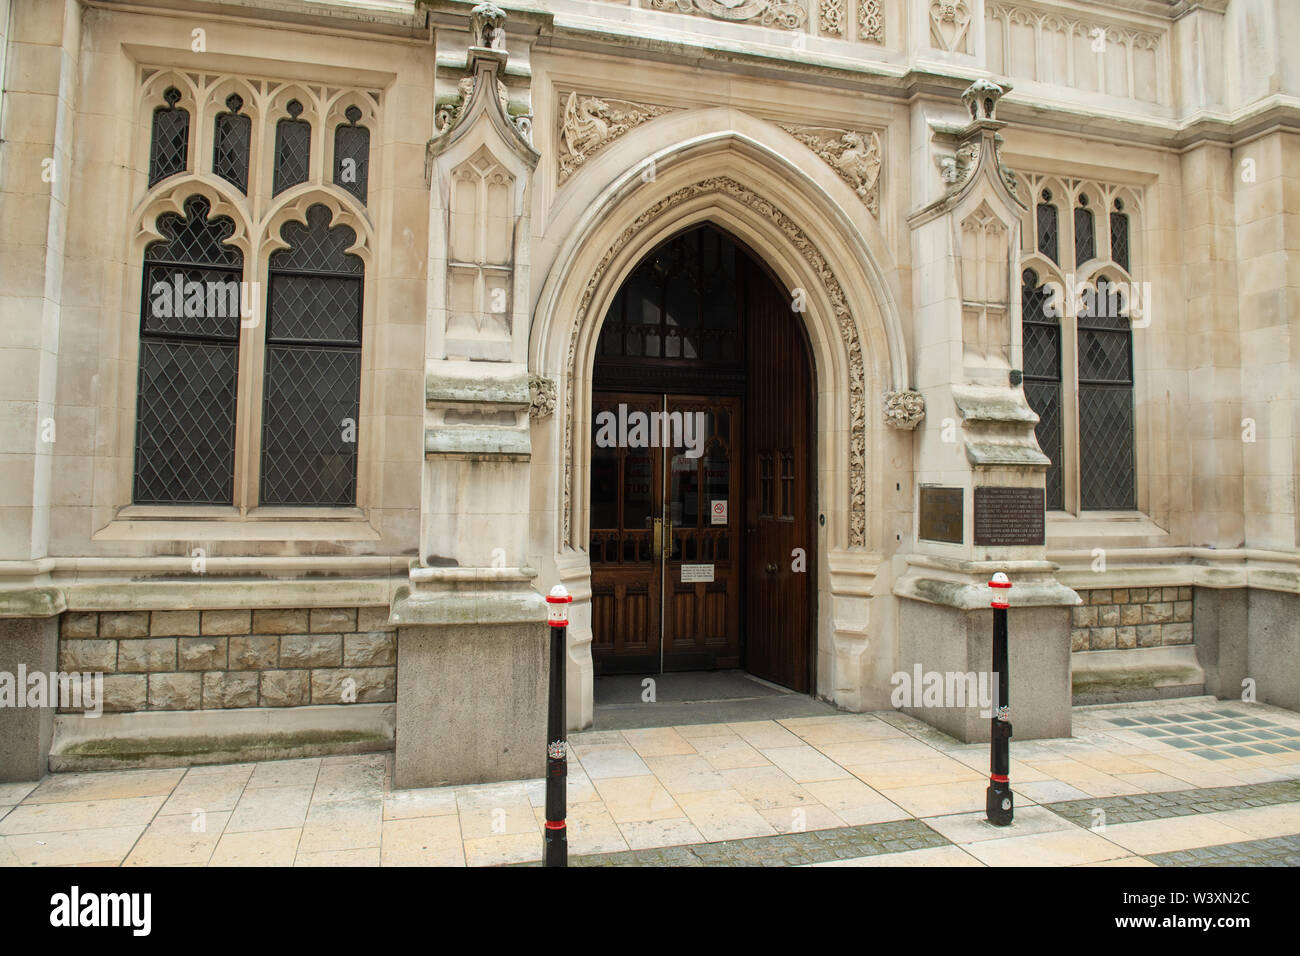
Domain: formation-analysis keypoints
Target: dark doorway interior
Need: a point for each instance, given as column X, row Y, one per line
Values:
column 702, row 481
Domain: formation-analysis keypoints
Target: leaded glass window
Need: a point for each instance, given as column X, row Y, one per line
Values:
column 1042, row 377
column 189, row 350
column 313, row 366
column 1106, row 426
column 232, row 137
column 1048, row 233
column 1119, row 235
column 352, row 155
column 169, row 147
column 1085, row 243
column 292, row 149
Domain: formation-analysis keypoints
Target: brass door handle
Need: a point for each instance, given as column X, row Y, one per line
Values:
column 657, row 539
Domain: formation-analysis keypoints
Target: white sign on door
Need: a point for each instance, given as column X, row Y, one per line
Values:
column 719, row 512
column 697, row 573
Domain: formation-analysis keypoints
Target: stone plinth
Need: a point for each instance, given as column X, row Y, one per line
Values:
column 26, row 732
column 946, row 628
column 472, row 671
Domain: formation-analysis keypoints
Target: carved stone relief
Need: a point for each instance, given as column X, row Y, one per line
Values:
column 488, row 23
column 950, row 25
column 904, row 408
column 588, row 124
column 844, row 322
column 778, row 14
column 871, row 21
column 830, row 17
column 855, row 156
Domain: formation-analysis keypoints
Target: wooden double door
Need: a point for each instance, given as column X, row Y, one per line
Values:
column 703, row 555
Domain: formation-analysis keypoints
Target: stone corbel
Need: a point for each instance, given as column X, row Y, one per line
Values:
column 903, row 408
column 541, row 397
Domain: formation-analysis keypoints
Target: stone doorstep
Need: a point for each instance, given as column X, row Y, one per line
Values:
column 152, row 739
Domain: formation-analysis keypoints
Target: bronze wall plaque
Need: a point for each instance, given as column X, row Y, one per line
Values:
column 1009, row 516
column 942, row 513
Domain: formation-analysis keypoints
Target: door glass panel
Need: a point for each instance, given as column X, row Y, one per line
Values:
column 685, row 494
column 717, row 477
column 637, row 478
column 604, row 487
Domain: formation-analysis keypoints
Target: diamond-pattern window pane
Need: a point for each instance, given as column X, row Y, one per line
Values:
column 1106, row 447
column 193, row 239
column 169, row 150
column 292, row 153
column 315, row 247
column 190, row 302
column 315, row 309
column 313, row 366
column 352, row 159
column 185, row 413
column 185, row 428
column 1045, row 399
column 1042, row 371
column 1119, row 238
column 309, row 448
column 1106, row 457
column 1085, row 239
column 232, row 138
column 1048, row 235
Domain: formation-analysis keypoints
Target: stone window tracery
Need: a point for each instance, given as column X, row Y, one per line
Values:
column 207, row 432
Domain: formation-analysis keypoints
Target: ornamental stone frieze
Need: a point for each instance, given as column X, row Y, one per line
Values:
column 904, row 408
column 768, row 13
column 588, row 124
column 855, row 157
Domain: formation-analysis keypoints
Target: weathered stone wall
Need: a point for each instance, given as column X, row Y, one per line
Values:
column 1120, row 618
column 208, row 660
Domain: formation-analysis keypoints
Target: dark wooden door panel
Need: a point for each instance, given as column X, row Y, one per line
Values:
column 778, row 498
column 626, row 584
column 702, row 624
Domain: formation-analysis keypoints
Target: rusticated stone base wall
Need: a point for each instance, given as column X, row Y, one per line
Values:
column 208, row 660
column 1131, row 617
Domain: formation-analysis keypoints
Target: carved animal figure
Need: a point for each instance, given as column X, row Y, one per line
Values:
column 859, row 161
column 585, row 123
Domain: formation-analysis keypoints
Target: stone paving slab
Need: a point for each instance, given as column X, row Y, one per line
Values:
column 878, row 789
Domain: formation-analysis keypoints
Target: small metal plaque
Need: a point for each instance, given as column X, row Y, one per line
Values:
column 1009, row 516
column 942, row 513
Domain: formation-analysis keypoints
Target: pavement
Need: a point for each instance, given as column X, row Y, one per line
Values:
column 1162, row 783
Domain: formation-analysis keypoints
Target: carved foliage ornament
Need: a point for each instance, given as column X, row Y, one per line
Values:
column 904, row 408
column 779, row 14
column 843, row 320
column 541, row 397
column 853, row 155
column 588, row 124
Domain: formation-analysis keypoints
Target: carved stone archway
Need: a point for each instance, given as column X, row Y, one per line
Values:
column 857, row 456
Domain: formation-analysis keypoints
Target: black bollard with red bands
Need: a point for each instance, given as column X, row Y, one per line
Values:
column 999, row 803
column 555, row 851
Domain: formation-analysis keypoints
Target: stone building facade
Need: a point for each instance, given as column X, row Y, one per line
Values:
column 307, row 312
